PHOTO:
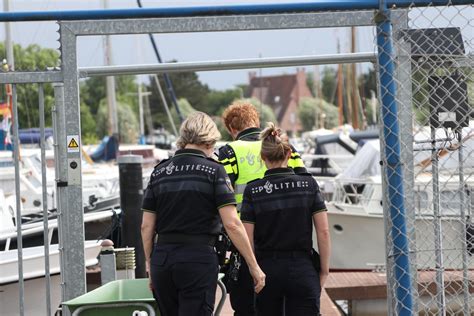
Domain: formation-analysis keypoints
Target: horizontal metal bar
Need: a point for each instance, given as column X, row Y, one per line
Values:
column 221, row 23
column 227, row 64
column 317, row 5
column 31, row 76
column 56, row 75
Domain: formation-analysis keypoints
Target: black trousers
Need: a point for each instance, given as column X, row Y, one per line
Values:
column 184, row 279
column 292, row 287
column 242, row 293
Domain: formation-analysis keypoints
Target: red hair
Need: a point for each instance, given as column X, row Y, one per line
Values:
column 240, row 116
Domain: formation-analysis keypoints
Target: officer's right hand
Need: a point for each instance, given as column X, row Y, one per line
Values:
column 258, row 278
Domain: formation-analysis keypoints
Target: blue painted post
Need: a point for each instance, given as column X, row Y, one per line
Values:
column 395, row 190
column 315, row 5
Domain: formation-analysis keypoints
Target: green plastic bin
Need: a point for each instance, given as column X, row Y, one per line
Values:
column 116, row 298
column 123, row 297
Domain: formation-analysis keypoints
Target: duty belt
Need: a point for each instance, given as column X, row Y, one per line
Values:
column 188, row 239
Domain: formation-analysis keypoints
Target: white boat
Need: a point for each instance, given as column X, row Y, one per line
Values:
column 356, row 216
column 98, row 182
column 34, row 276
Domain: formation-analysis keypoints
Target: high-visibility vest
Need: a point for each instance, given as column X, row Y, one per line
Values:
column 250, row 165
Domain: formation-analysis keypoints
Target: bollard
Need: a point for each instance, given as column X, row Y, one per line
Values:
column 107, row 262
column 131, row 196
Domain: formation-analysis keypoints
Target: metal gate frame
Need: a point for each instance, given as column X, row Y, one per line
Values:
column 69, row 185
column 70, row 30
column 68, row 166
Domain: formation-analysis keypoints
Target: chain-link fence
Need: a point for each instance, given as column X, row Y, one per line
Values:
column 429, row 221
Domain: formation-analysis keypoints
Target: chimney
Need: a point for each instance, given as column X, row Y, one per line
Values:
column 252, row 74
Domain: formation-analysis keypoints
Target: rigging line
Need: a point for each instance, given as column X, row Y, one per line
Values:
column 37, row 29
column 94, row 53
column 168, row 83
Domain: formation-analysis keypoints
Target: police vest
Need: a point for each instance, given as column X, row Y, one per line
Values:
column 250, row 165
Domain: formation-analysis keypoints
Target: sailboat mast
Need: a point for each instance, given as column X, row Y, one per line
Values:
column 340, row 100
column 8, row 38
column 110, row 84
column 355, row 98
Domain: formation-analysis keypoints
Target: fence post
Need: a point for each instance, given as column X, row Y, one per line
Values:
column 70, row 184
column 393, row 169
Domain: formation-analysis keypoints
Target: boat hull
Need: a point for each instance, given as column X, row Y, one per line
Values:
column 358, row 242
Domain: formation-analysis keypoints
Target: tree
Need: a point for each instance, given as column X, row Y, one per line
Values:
column 367, row 82
column 93, row 91
column 88, row 125
column 309, row 110
column 128, row 122
column 266, row 113
column 186, row 110
column 186, row 85
column 217, row 101
column 31, row 58
column 329, row 83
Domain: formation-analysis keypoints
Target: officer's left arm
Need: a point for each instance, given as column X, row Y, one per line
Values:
column 249, row 228
column 320, row 221
column 148, row 233
column 148, row 221
column 295, row 162
column 247, row 215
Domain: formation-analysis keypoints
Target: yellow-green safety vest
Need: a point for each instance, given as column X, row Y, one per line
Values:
column 250, row 166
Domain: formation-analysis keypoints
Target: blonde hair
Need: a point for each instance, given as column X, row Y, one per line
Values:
column 240, row 116
column 275, row 146
column 198, row 129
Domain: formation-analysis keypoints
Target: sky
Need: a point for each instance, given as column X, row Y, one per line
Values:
column 136, row 49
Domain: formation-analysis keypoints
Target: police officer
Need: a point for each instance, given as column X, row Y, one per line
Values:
column 278, row 212
column 182, row 204
column 241, row 160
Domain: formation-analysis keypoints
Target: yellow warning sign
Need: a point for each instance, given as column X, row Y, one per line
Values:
column 73, row 143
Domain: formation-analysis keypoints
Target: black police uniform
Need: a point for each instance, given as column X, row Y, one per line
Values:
column 281, row 206
column 186, row 192
column 241, row 292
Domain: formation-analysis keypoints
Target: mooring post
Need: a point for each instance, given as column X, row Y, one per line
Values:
column 131, row 196
column 108, row 271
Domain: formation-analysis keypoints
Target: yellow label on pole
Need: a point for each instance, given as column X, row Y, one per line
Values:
column 73, row 143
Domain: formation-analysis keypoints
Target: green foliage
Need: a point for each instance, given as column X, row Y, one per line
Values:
column 88, row 125
column 186, row 110
column 217, row 101
column 309, row 109
column 94, row 104
column 220, row 125
column 266, row 113
column 128, row 122
column 33, row 57
column 93, row 90
column 329, row 84
column 186, row 85
column 367, row 82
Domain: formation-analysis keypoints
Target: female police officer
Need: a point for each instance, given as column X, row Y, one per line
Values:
column 182, row 204
column 278, row 211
